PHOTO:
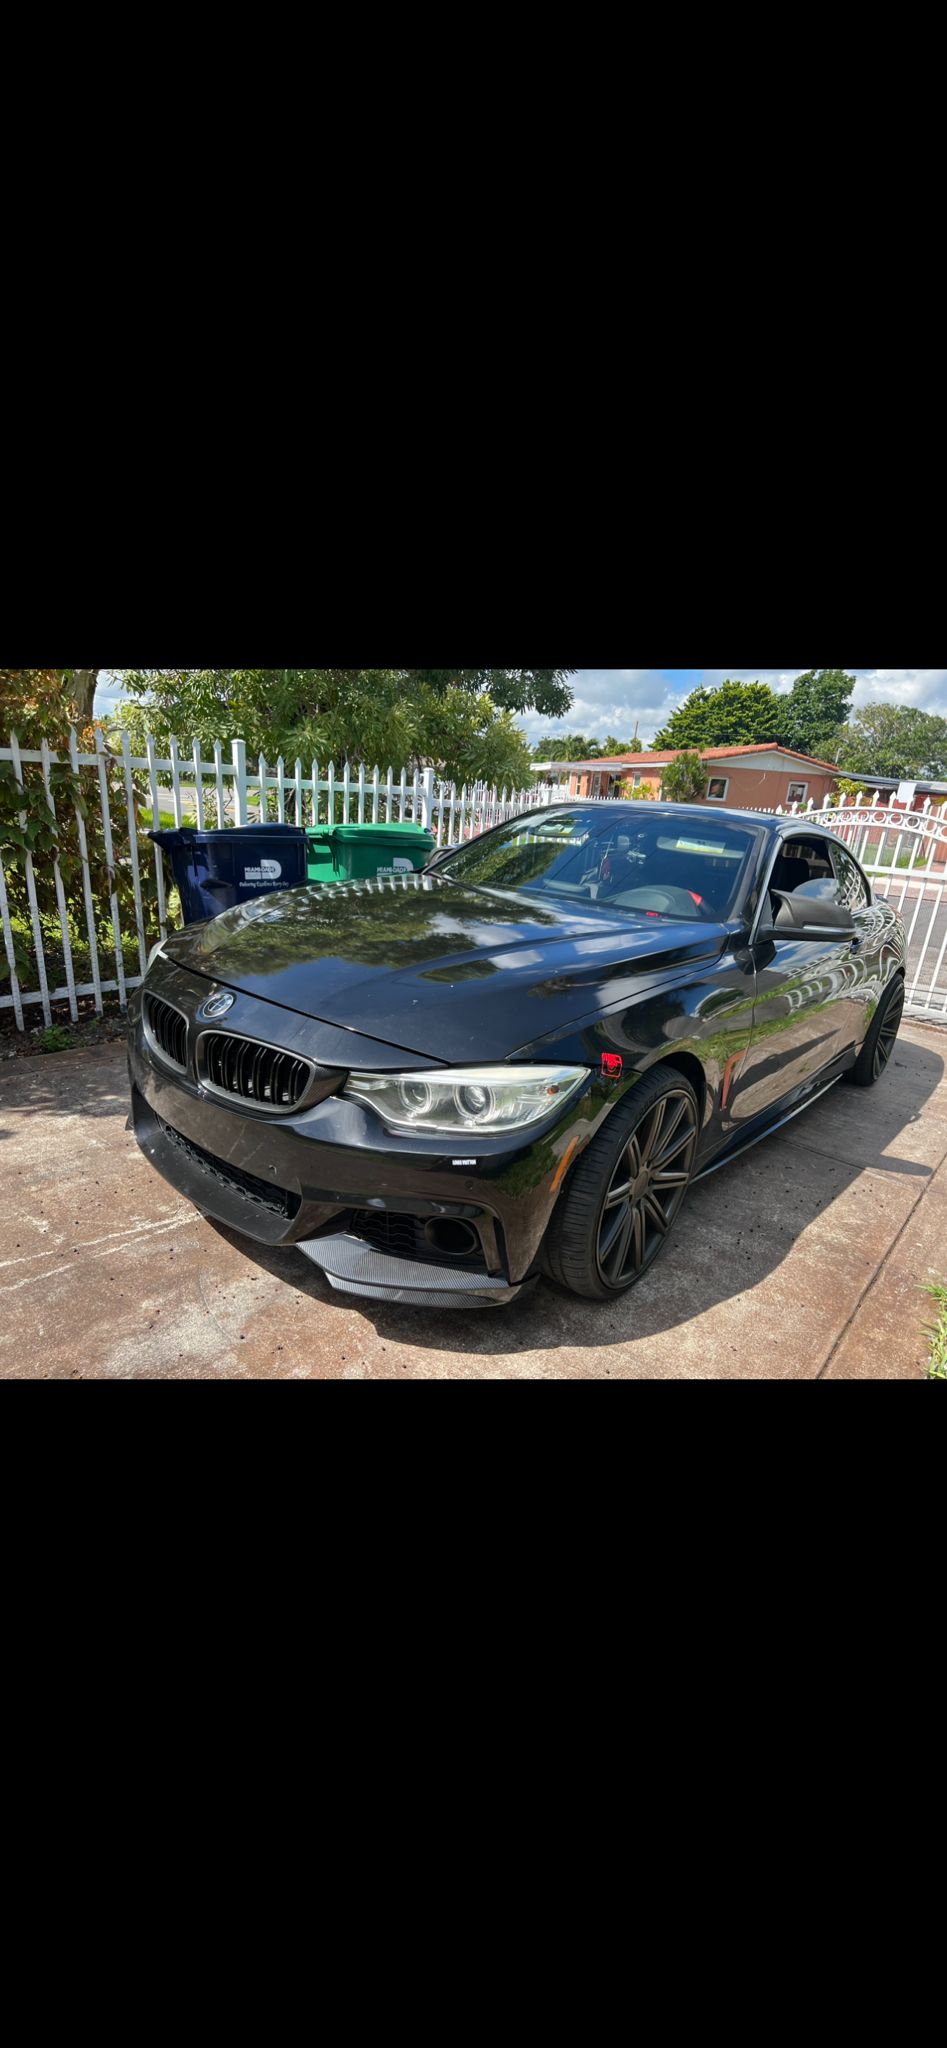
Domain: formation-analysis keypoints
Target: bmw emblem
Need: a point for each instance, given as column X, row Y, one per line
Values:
column 217, row 1005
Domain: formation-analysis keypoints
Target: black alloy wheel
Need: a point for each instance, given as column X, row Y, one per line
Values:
column 626, row 1191
column 880, row 1037
column 646, row 1189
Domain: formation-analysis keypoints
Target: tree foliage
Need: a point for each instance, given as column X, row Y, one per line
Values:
column 809, row 718
column 684, row 779
column 731, row 715
column 573, row 746
column 894, row 739
column 815, row 711
column 460, row 721
column 511, row 689
column 38, row 704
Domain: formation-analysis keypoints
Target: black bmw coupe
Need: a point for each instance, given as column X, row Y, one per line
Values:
column 440, row 1086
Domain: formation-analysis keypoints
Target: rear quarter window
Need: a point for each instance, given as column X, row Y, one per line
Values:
column 851, row 885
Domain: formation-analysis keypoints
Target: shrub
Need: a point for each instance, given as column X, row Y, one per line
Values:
column 684, row 779
column 32, row 705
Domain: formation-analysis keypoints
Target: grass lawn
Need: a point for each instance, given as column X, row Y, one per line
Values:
column 884, row 857
column 937, row 1365
column 166, row 820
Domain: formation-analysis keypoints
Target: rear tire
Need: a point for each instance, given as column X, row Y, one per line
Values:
column 880, row 1037
column 625, row 1193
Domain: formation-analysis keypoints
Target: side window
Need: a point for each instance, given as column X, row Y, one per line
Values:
column 802, row 861
column 851, row 888
column 802, row 864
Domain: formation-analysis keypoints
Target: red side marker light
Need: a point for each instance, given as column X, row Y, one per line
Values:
column 612, row 1064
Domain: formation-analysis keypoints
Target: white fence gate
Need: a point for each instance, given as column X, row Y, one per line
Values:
column 224, row 791
column 904, row 855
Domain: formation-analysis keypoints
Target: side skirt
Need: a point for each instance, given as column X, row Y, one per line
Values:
column 755, row 1137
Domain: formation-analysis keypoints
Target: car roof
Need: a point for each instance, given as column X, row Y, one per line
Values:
column 768, row 821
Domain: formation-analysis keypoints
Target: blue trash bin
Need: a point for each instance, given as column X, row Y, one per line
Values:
column 216, row 870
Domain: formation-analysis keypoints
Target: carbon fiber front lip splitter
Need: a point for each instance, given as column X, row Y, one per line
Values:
column 354, row 1267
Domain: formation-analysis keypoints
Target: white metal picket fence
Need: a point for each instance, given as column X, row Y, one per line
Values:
column 223, row 791
column 904, row 855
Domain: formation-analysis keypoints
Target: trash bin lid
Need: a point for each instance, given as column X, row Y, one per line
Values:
column 362, row 832
column 198, row 835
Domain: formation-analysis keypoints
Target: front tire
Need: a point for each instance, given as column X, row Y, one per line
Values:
column 626, row 1191
column 879, row 1039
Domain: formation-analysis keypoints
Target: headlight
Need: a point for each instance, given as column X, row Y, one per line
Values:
column 153, row 955
column 467, row 1099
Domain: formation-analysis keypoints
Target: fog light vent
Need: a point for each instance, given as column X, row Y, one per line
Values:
column 451, row 1234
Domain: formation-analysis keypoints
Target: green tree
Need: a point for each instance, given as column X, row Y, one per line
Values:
column 684, row 779
column 57, row 697
column 38, row 704
column 545, row 690
column 79, row 684
column 815, row 710
column 383, row 717
column 894, row 739
column 573, row 746
column 568, row 746
column 731, row 715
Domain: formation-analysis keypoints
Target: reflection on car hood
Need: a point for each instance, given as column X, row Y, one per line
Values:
column 445, row 970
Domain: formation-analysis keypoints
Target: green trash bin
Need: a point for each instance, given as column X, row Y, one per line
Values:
column 366, row 853
column 320, row 866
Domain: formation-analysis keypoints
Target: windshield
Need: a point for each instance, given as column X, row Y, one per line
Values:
column 657, row 866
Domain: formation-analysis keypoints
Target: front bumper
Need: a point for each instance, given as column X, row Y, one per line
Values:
column 369, row 1208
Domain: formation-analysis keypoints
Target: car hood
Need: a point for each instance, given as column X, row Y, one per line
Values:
column 441, row 969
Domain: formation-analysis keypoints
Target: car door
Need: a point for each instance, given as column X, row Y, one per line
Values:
column 806, row 1009
column 868, row 967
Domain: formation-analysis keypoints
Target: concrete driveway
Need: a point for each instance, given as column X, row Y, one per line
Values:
column 804, row 1260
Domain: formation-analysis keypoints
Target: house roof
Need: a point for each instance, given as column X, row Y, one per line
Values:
column 706, row 753
column 922, row 787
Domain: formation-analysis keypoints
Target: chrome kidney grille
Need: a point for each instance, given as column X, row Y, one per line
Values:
column 250, row 1072
column 166, row 1031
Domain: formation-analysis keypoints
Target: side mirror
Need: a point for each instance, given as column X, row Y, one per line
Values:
column 807, row 917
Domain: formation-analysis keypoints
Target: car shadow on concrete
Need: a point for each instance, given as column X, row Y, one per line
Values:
column 736, row 1229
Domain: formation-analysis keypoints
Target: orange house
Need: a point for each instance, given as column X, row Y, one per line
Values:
column 757, row 778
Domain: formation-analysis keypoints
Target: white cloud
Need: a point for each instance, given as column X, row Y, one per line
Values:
column 925, row 688
column 612, row 700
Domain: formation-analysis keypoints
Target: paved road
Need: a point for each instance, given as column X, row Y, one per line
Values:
column 804, row 1260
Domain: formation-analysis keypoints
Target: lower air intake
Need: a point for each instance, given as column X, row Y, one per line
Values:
column 278, row 1201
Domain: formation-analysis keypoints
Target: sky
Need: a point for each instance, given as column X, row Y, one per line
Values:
column 609, row 700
